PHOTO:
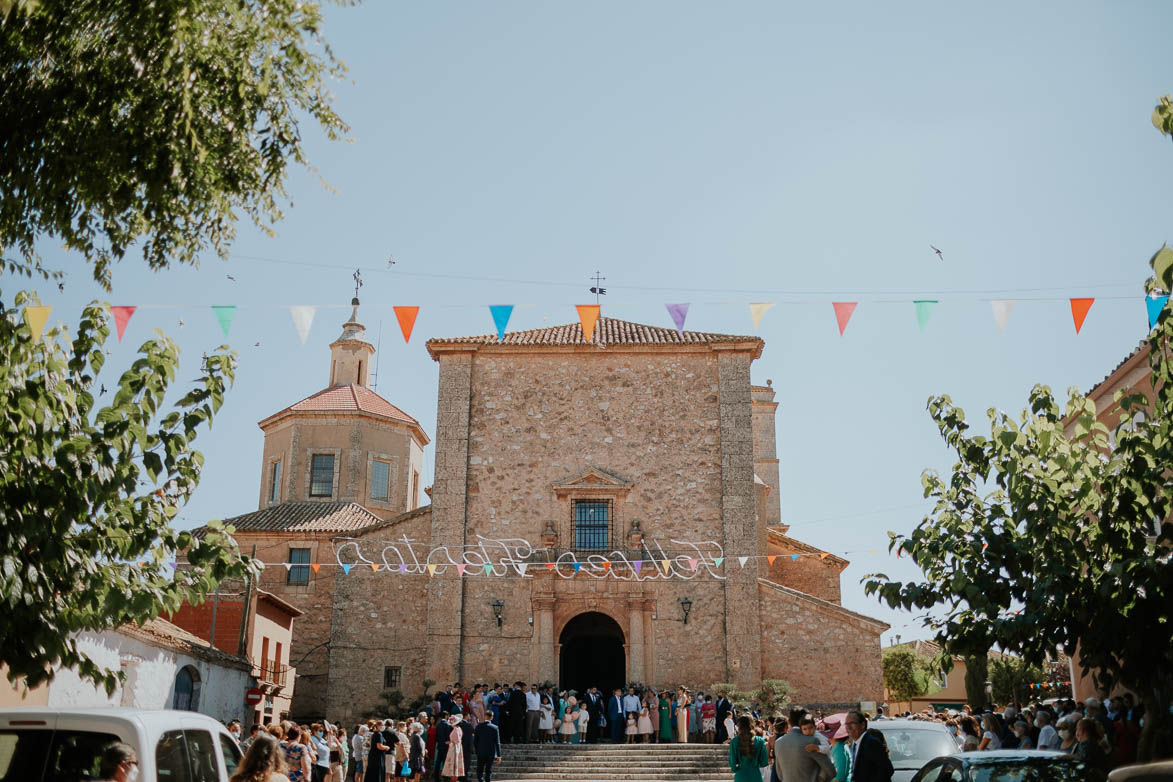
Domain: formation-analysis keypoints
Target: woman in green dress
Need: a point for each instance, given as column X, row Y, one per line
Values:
column 747, row 753
column 665, row 717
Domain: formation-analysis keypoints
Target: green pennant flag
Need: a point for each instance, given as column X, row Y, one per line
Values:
column 924, row 309
column 225, row 313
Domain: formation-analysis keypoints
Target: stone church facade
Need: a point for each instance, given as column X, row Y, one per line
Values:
column 602, row 512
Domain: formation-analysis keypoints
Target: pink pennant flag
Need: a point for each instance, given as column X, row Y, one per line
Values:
column 678, row 312
column 121, row 318
column 1079, row 310
column 460, row 569
column 692, row 563
column 843, row 311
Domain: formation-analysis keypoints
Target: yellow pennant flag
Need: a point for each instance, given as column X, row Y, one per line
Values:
column 37, row 317
column 757, row 309
column 664, row 564
column 431, row 569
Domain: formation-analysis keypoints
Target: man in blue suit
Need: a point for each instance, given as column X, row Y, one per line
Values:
column 616, row 719
column 487, row 744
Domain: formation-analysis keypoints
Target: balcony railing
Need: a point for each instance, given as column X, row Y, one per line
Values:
column 273, row 672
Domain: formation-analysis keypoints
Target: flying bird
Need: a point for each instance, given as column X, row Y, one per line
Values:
column 257, row 345
column 938, row 252
column 61, row 287
column 231, row 277
column 390, row 261
column 103, row 391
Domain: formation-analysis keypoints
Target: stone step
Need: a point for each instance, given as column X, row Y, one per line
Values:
column 633, row 764
column 595, row 776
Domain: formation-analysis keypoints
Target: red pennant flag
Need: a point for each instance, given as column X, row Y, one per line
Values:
column 316, row 566
column 588, row 315
column 406, row 318
column 843, row 310
column 1079, row 308
column 121, row 318
column 771, row 558
column 551, row 565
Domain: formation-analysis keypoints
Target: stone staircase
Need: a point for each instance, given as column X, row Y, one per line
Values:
column 636, row 762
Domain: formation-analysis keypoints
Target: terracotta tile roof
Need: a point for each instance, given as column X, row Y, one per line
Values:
column 608, row 331
column 306, row 517
column 161, row 633
column 352, row 398
column 1141, row 347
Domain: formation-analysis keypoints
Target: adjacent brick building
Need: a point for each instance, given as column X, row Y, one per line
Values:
column 603, row 511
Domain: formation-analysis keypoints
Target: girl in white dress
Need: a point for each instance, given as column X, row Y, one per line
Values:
column 546, row 721
column 644, row 725
column 569, row 726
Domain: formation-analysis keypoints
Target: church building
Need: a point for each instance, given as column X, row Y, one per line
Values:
column 605, row 510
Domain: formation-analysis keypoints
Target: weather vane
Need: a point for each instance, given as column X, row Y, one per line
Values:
column 598, row 290
column 357, row 281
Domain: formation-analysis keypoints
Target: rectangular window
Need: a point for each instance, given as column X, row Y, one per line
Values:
column 415, row 488
column 592, row 523
column 391, row 677
column 275, row 482
column 380, row 480
column 322, row 475
column 299, row 571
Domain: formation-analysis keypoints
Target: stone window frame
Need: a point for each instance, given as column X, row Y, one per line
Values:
column 609, row 502
column 269, row 498
column 392, row 477
column 597, row 485
column 392, row 677
column 309, row 473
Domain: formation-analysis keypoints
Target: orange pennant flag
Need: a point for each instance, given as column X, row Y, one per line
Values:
column 406, row 318
column 606, row 565
column 551, row 565
column 824, row 555
column 588, row 315
column 771, row 558
column 843, row 311
column 374, row 568
column 316, row 566
column 1079, row 309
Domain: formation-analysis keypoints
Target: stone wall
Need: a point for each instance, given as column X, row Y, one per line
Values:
column 826, row 653
column 809, row 574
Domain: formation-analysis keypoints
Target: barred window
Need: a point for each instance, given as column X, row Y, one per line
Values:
column 299, row 571
column 391, row 677
column 322, row 475
column 592, row 524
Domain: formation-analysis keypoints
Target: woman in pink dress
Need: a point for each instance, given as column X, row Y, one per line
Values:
column 454, row 762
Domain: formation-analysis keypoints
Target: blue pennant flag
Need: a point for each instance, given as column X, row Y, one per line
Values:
column 1155, row 304
column 346, row 570
column 501, row 314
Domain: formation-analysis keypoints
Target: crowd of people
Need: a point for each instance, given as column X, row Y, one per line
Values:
column 461, row 731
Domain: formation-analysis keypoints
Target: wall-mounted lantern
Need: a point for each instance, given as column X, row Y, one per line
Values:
column 498, row 607
column 686, row 606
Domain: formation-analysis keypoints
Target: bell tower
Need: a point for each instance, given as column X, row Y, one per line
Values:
column 350, row 354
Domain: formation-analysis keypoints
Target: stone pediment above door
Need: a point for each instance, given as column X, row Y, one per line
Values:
column 593, row 481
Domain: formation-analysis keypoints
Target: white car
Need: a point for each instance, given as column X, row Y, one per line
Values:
column 64, row 745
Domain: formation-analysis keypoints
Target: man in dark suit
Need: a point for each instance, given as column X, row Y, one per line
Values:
column 616, row 720
column 869, row 756
column 793, row 762
column 443, row 733
column 723, row 709
column 487, row 739
column 594, row 706
column 515, row 709
column 466, row 745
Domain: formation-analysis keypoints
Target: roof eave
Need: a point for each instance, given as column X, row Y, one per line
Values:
column 268, row 423
column 755, row 346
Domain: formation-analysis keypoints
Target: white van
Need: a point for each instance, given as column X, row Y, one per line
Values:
column 64, row 745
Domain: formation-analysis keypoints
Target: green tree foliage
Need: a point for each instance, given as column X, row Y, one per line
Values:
column 1163, row 115
column 152, row 124
column 976, row 670
column 88, row 489
column 905, row 675
column 390, row 706
column 1010, row 679
column 772, row 698
column 1040, row 538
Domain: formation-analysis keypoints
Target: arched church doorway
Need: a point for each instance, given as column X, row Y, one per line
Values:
column 592, row 653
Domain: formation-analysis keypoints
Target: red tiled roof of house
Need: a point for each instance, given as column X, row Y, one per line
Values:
column 350, row 398
column 160, row 632
column 306, row 517
column 608, row 331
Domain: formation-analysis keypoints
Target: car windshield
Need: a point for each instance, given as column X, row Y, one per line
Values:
column 1056, row 769
column 911, row 748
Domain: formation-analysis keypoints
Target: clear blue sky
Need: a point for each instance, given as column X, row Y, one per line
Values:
column 716, row 153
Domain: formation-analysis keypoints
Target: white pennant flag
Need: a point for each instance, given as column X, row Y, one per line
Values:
column 303, row 319
column 742, row 560
column 287, row 565
column 1001, row 308
column 521, row 569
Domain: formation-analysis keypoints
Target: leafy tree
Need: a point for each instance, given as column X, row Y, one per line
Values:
column 772, row 698
column 1163, row 115
column 390, row 706
column 88, row 491
column 976, row 670
column 904, row 675
column 1010, row 678
column 1040, row 538
column 153, row 124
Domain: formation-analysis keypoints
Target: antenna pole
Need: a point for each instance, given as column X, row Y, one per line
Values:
column 378, row 355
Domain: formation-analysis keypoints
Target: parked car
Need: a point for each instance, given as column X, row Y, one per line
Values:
column 64, row 745
column 1008, row 765
column 1161, row 771
column 912, row 743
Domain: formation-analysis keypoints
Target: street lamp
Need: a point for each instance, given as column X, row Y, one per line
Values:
column 686, row 604
column 497, row 608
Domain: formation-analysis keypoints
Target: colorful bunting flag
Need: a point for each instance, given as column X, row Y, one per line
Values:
column 460, row 569
column 1001, row 308
column 771, row 558
column 122, row 315
column 346, row 570
column 692, row 563
column 287, row 566
column 843, row 311
column 374, row 567
column 303, row 319
column 794, row 557
column 521, row 569
column 406, row 317
column 37, row 317
column 1155, row 305
column 225, row 313
column 718, row 560
column 402, row 567
column 577, row 566
column 588, row 315
column 551, row 565
column 637, row 565
column 824, row 555
column 606, row 565
column 488, row 569
column 501, row 314
column 757, row 309
column 924, row 310
column 742, row 560
column 316, row 567
column 1079, row 309
column 665, row 564
column 678, row 312
column 431, row 568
